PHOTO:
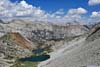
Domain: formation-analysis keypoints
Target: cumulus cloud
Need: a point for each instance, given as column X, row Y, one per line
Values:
column 23, row 9
column 26, row 5
column 77, row 11
column 95, row 14
column 75, row 14
column 9, row 9
column 59, row 12
column 94, row 2
column 71, row 16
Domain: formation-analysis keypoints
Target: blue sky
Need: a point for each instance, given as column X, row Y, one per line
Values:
column 51, row 10
column 54, row 5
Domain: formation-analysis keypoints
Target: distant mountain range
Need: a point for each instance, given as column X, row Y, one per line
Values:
column 19, row 37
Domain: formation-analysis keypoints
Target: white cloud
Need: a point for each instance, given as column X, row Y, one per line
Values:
column 59, row 12
column 26, row 5
column 9, row 9
column 71, row 16
column 75, row 15
column 95, row 14
column 94, row 2
column 77, row 11
column 23, row 9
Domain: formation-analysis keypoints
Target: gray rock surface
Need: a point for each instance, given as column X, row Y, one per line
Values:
column 80, row 54
column 10, row 51
column 42, row 34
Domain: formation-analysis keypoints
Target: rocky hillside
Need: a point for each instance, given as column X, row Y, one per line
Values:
column 25, row 26
column 84, row 52
column 19, row 37
column 94, row 32
column 19, row 40
column 71, row 30
column 22, row 41
column 42, row 32
column 12, row 46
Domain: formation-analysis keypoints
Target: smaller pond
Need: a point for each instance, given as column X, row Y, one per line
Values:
column 38, row 51
column 36, row 58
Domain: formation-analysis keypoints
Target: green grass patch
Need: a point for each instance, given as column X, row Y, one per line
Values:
column 19, row 63
column 25, row 64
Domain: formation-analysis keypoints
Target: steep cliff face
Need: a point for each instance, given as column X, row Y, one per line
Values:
column 25, row 26
column 71, row 30
column 94, row 32
column 22, row 41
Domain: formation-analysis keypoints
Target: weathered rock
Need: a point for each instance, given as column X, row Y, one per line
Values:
column 81, row 53
column 71, row 30
column 94, row 33
column 42, row 35
column 11, row 48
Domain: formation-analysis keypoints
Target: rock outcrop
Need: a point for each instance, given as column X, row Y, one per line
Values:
column 94, row 33
column 24, row 27
column 84, row 52
column 13, row 46
column 70, row 30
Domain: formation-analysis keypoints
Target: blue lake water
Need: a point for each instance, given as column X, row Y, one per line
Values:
column 36, row 58
column 38, row 51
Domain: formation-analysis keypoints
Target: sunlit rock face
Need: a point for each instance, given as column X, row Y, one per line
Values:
column 26, row 35
column 71, row 30
column 94, row 32
column 11, row 49
column 43, row 32
column 83, row 52
column 26, row 27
